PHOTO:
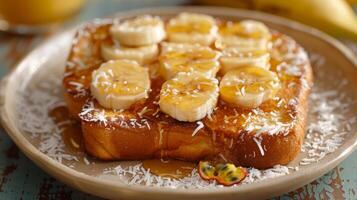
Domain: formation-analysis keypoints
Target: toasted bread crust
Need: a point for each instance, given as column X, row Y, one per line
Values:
column 227, row 134
column 83, row 58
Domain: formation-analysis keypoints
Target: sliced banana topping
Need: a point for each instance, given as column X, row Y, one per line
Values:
column 143, row 30
column 249, row 86
column 187, row 63
column 192, row 58
column 247, row 34
column 192, row 28
column 234, row 57
column 189, row 96
column 142, row 54
column 120, row 83
column 172, row 46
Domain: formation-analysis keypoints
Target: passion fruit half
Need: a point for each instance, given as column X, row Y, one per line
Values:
column 225, row 174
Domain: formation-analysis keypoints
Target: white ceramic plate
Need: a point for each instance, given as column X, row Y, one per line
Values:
column 335, row 79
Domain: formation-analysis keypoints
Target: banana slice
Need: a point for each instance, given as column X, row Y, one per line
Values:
column 249, row 86
column 120, row 83
column 192, row 28
column 189, row 96
column 248, row 34
column 143, row 30
column 172, row 46
column 198, row 59
column 234, row 57
column 142, row 55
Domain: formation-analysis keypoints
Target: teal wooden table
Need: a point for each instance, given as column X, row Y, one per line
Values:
column 21, row 179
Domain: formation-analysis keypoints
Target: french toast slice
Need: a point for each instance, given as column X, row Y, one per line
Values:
column 84, row 57
column 261, row 137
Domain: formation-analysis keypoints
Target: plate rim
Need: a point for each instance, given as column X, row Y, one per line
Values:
column 42, row 159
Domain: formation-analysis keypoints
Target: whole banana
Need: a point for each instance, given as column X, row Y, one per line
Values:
column 335, row 17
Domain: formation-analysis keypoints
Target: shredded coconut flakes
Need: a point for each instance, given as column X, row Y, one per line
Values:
column 327, row 129
column 198, row 128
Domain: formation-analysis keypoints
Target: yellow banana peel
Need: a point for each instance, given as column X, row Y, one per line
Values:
column 335, row 17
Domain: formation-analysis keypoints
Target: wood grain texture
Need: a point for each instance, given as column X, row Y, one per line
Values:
column 21, row 179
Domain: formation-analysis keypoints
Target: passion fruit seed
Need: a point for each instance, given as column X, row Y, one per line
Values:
column 206, row 170
column 226, row 174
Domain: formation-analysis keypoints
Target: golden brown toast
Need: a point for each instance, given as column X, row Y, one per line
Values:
column 262, row 137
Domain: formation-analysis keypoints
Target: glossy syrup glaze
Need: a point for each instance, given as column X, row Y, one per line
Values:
column 228, row 127
column 169, row 168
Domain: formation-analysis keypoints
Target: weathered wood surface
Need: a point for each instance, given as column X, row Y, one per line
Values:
column 21, row 179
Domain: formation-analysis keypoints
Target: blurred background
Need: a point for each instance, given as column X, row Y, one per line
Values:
column 335, row 17
column 26, row 23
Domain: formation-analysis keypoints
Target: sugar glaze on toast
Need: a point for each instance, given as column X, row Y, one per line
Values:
column 259, row 137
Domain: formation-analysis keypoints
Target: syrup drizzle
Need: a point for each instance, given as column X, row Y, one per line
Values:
column 171, row 168
column 70, row 129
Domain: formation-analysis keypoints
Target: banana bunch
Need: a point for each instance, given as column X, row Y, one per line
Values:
column 335, row 17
